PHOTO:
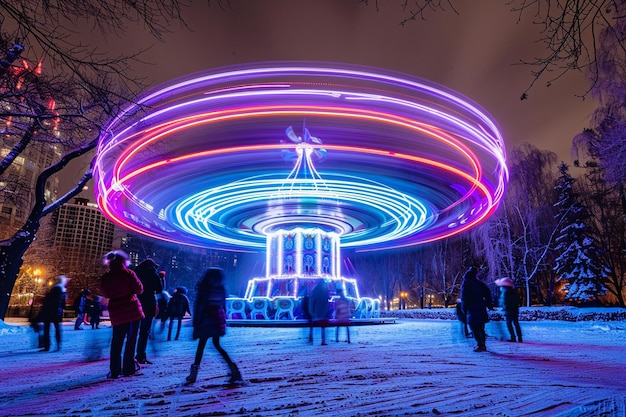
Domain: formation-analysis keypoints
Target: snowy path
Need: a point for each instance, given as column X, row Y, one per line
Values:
column 413, row 367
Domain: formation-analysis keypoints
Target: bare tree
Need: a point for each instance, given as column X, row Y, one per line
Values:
column 65, row 107
column 570, row 32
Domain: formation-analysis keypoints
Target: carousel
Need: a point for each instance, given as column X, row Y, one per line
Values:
column 300, row 161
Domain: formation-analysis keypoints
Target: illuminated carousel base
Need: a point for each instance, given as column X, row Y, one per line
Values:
column 304, row 323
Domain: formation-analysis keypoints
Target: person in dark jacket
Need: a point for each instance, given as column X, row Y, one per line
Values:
column 209, row 321
column 93, row 308
column 509, row 302
column 52, row 312
column 319, row 307
column 176, row 309
column 80, row 305
column 147, row 273
column 122, row 287
column 475, row 300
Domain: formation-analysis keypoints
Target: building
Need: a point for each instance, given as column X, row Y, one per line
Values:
column 82, row 235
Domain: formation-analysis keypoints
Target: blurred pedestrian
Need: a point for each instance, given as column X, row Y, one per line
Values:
column 462, row 319
column 93, row 309
column 147, row 273
column 79, row 306
column 509, row 302
column 342, row 314
column 51, row 312
column 122, row 287
column 475, row 300
column 318, row 307
column 176, row 309
column 209, row 321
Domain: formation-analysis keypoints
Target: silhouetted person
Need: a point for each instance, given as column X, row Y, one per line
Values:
column 509, row 302
column 318, row 307
column 147, row 273
column 475, row 300
column 176, row 309
column 93, row 308
column 52, row 311
column 209, row 321
column 122, row 287
column 79, row 306
column 342, row 314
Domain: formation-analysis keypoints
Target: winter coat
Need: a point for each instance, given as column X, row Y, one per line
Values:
column 509, row 301
column 209, row 312
column 342, row 310
column 53, row 305
column 318, row 302
column 178, row 305
column 121, row 286
column 93, row 308
column 79, row 303
column 475, row 299
column 163, row 300
column 148, row 275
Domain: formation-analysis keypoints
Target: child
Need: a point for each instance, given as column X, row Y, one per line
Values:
column 209, row 321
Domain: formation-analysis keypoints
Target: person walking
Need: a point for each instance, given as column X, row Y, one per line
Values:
column 209, row 321
column 509, row 302
column 122, row 287
column 80, row 304
column 176, row 309
column 475, row 300
column 318, row 307
column 342, row 314
column 147, row 273
column 52, row 312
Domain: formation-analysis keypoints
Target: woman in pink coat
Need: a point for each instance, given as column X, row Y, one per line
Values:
column 121, row 286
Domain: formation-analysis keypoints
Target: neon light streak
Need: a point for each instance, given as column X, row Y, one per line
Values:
column 173, row 166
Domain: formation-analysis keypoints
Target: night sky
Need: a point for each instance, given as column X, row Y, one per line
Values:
column 474, row 52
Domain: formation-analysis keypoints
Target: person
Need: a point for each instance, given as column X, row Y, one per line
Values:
column 209, row 321
column 122, row 287
column 52, row 312
column 93, row 308
column 147, row 273
column 342, row 314
column 509, row 302
column 318, row 307
column 462, row 318
column 475, row 300
column 304, row 305
column 79, row 306
column 176, row 309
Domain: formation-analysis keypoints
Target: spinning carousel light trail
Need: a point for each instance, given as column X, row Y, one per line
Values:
column 204, row 161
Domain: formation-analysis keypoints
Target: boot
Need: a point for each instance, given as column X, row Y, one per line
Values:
column 193, row 374
column 235, row 375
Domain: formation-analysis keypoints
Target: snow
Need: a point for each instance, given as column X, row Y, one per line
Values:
column 412, row 367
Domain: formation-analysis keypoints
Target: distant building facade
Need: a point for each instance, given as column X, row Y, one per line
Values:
column 82, row 235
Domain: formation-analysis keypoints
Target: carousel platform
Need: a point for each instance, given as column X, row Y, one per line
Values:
column 305, row 323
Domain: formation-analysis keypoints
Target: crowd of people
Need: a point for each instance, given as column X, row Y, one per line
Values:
column 136, row 297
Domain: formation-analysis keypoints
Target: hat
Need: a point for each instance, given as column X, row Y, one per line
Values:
column 505, row 282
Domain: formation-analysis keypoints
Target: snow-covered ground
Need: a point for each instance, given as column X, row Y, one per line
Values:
column 413, row 367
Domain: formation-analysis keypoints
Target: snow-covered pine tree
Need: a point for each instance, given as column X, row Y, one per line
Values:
column 578, row 262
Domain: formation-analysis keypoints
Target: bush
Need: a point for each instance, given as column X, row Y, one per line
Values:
column 526, row 314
